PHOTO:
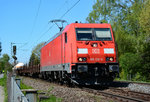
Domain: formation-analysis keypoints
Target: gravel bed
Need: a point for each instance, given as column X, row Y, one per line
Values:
column 139, row 88
column 144, row 88
column 66, row 93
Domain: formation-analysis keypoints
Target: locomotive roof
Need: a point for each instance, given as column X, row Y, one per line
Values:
column 79, row 25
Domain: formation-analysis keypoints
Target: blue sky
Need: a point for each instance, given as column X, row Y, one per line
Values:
column 23, row 24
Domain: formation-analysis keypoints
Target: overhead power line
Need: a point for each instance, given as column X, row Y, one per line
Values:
column 69, row 9
column 60, row 18
column 37, row 13
column 34, row 22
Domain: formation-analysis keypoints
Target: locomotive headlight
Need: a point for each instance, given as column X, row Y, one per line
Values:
column 94, row 45
column 109, row 59
column 82, row 59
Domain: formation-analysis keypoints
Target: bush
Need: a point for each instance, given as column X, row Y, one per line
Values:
column 130, row 64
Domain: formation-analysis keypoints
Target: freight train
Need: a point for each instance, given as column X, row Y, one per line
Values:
column 81, row 53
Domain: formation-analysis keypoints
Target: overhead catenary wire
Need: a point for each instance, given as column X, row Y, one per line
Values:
column 34, row 21
column 33, row 27
column 48, row 23
column 36, row 16
column 59, row 18
column 70, row 9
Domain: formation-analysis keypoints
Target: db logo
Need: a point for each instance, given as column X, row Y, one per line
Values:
column 95, row 51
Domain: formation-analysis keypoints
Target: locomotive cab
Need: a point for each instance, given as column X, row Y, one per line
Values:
column 96, row 59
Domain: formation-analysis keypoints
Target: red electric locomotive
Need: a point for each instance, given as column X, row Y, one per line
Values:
column 81, row 53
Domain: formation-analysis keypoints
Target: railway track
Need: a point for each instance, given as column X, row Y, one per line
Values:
column 130, row 82
column 143, row 96
column 118, row 94
column 121, row 95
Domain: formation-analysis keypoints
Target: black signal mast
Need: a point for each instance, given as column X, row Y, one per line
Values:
column 0, row 48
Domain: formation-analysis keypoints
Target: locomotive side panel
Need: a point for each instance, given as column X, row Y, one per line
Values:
column 51, row 55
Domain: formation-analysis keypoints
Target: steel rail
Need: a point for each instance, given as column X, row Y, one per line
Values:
column 113, row 96
column 144, row 96
column 131, row 82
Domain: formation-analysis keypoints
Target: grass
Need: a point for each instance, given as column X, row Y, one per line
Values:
column 50, row 89
column 52, row 97
column 119, row 79
column 3, row 83
column 24, row 86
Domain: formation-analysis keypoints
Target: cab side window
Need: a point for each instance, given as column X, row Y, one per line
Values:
column 65, row 37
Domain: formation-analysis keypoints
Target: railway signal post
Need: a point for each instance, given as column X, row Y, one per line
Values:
column 0, row 48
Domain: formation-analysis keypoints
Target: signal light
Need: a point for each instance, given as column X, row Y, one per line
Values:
column 0, row 47
column 14, row 57
column 14, row 49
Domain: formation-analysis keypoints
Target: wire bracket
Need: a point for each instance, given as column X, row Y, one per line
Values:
column 56, row 21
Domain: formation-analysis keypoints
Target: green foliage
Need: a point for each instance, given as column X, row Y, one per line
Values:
column 50, row 89
column 3, row 82
column 130, row 20
column 34, row 60
column 4, row 63
column 35, row 56
column 36, row 50
column 144, row 18
column 24, row 86
column 52, row 99
column 130, row 64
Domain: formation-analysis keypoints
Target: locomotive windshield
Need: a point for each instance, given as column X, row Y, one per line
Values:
column 84, row 34
column 98, row 34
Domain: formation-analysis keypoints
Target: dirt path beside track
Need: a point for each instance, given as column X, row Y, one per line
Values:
column 1, row 90
column 1, row 94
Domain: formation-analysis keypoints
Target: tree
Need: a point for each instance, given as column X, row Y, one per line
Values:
column 130, row 65
column 35, row 56
column 130, row 20
column 36, row 50
column 144, row 18
column 4, row 63
column 107, row 11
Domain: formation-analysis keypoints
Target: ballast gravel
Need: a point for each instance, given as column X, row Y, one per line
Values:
column 139, row 88
column 66, row 93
